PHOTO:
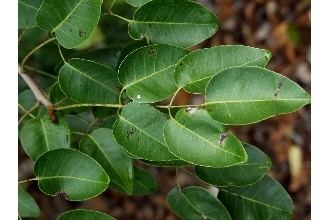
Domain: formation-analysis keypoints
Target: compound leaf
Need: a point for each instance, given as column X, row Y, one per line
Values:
column 139, row 129
column 101, row 146
column 27, row 206
column 27, row 11
column 196, row 69
column 243, row 95
column 243, row 174
column 175, row 22
column 41, row 135
column 88, row 82
column 83, row 214
column 195, row 137
column 72, row 21
column 70, row 173
column 266, row 199
column 196, row 203
column 147, row 73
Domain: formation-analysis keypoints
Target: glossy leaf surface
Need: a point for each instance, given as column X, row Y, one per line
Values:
column 195, row 137
column 196, row 69
column 101, row 146
column 147, row 73
column 83, row 214
column 196, row 203
column 72, row 21
column 70, row 173
column 41, row 135
column 27, row 11
column 266, row 199
column 139, row 129
column 89, row 82
column 243, row 95
column 175, row 22
column 137, row 3
column 243, row 174
column 27, row 206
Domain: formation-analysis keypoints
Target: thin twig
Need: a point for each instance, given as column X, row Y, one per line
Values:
column 22, row 35
column 28, row 180
column 171, row 102
column 177, row 177
column 35, row 49
column 40, row 97
column 89, row 105
column 118, row 16
column 24, row 110
column 28, row 112
column 40, row 71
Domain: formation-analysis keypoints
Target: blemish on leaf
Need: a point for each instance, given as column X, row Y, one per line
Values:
column 191, row 110
column 181, row 64
column 138, row 96
column 151, row 50
column 130, row 132
column 63, row 194
column 223, row 136
column 279, row 87
column 81, row 32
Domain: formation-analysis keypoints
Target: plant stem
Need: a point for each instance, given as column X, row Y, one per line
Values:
column 177, row 177
column 89, row 105
column 110, row 7
column 28, row 180
column 61, row 54
column 28, row 112
column 38, row 94
column 40, row 71
column 171, row 102
column 22, row 35
column 118, row 16
column 35, row 49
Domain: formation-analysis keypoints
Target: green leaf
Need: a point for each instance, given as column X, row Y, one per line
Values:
column 58, row 98
column 101, row 146
column 83, row 214
column 27, row 206
column 41, row 135
column 70, row 173
column 243, row 95
column 27, row 11
column 254, row 169
column 196, row 69
column 137, row 3
column 72, row 21
column 175, row 22
column 139, row 129
column 266, row 199
column 27, row 100
column 195, row 137
column 89, row 82
column 194, row 202
column 144, row 183
column 147, row 73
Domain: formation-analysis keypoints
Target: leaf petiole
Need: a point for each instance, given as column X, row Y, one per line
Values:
column 28, row 180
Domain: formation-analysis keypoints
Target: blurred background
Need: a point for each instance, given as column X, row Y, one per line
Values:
column 281, row 26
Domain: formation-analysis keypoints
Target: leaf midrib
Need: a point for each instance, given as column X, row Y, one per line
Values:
column 63, row 21
column 69, row 177
column 169, row 23
column 255, row 201
column 213, row 145
column 45, row 135
column 253, row 100
column 30, row 6
column 148, row 76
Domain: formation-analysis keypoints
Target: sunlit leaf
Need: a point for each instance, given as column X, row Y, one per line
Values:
column 195, row 137
column 196, row 69
column 137, row 3
column 27, row 11
column 83, row 214
column 243, row 95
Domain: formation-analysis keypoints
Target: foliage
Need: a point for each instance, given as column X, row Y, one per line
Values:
column 93, row 110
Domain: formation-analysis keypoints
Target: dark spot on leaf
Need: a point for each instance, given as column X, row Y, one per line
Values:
column 70, row 30
column 279, row 87
column 130, row 132
column 151, row 50
column 81, row 32
column 190, row 110
column 222, row 137
column 181, row 64
column 149, row 25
